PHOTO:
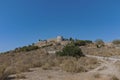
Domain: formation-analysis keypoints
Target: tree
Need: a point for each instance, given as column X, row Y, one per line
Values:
column 70, row 50
column 99, row 43
column 71, row 39
column 40, row 40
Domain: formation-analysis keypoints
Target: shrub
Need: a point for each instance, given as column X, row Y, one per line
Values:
column 26, row 48
column 48, row 63
column 97, row 75
column 99, row 43
column 71, row 65
column 88, row 41
column 47, row 66
column 20, row 76
column 114, row 78
column 83, row 64
column 70, row 50
column 3, row 73
column 80, row 43
column 88, row 63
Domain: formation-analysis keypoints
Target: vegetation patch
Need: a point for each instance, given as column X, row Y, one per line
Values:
column 70, row 50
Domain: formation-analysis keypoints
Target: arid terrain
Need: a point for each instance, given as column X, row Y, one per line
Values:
column 44, row 63
column 107, row 70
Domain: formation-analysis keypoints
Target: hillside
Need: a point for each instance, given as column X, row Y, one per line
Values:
column 40, row 62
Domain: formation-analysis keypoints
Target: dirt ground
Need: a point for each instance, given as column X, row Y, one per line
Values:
column 108, row 70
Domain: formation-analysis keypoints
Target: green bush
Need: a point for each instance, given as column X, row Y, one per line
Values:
column 26, row 48
column 70, row 50
column 82, row 42
column 88, row 41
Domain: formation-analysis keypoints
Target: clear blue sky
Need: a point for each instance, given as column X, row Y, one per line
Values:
column 23, row 22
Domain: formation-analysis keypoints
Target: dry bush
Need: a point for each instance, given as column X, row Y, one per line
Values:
column 57, row 61
column 79, row 65
column 117, row 64
column 69, row 65
column 21, row 62
column 114, row 78
column 46, row 66
column 102, row 68
column 20, row 76
column 48, row 62
column 36, row 64
column 17, row 69
column 50, row 77
column 97, row 75
column 3, row 74
column 88, row 63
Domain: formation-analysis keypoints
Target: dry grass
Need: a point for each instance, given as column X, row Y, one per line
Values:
column 3, row 73
column 20, row 76
column 107, row 52
column 83, row 64
column 114, row 78
column 46, row 66
column 23, row 61
column 49, row 77
column 97, row 75
column 117, row 65
column 19, row 62
column 70, row 65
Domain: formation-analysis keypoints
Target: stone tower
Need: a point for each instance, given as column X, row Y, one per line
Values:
column 59, row 38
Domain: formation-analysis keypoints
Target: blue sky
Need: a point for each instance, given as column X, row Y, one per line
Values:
column 23, row 22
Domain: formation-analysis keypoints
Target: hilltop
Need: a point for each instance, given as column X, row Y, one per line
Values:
column 62, row 59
